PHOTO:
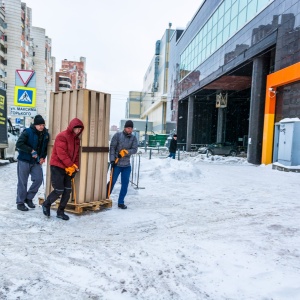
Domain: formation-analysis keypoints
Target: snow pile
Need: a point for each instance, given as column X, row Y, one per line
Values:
column 200, row 229
column 217, row 159
column 170, row 170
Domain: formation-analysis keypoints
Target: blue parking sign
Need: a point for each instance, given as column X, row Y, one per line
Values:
column 18, row 120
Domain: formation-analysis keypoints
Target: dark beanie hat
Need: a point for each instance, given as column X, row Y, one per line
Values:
column 175, row 135
column 128, row 123
column 38, row 120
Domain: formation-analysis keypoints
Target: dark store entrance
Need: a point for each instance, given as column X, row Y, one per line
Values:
column 228, row 123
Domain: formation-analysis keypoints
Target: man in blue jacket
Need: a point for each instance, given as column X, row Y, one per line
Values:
column 122, row 146
column 32, row 146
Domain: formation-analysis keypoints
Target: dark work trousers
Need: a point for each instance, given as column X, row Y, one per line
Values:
column 25, row 169
column 172, row 154
column 125, row 175
column 62, row 186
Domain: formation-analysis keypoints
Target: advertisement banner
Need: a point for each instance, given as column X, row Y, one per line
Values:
column 3, row 118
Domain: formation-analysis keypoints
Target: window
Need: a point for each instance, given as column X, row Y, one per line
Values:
column 251, row 9
column 242, row 17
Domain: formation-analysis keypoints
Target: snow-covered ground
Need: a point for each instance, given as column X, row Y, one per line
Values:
column 201, row 229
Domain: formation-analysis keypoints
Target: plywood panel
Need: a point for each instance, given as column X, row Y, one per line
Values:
column 65, row 111
column 57, row 115
column 103, row 158
column 90, row 184
column 73, row 107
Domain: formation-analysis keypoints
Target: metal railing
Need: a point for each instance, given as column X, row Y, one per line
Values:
column 135, row 170
column 158, row 151
column 194, row 147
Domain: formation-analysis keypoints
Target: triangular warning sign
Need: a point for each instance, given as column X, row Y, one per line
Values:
column 25, row 75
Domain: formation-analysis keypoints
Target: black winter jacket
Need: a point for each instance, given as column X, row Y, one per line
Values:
column 173, row 146
column 32, row 139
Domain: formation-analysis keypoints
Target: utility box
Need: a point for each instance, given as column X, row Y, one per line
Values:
column 287, row 142
column 93, row 109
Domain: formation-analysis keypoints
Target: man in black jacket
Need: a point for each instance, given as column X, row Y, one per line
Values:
column 173, row 146
column 32, row 146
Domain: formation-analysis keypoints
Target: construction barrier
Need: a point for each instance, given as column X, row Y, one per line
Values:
column 135, row 170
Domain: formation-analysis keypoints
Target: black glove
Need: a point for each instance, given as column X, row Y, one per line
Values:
column 73, row 175
column 112, row 164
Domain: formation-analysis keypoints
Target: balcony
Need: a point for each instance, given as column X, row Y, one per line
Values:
column 64, row 89
column 2, row 13
column 2, row 73
column 2, row 85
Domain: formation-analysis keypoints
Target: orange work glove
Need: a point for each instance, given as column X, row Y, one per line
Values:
column 71, row 170
column 123, row 153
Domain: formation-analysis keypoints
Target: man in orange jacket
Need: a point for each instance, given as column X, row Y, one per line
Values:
column 64, row 164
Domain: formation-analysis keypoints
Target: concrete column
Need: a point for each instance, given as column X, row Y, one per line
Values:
column 190, row 123
column 257, row 107
column 221, row 125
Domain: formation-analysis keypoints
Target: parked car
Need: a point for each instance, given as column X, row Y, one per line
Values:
column 219, row 149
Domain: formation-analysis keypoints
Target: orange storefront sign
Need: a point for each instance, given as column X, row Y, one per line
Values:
column 282, row 77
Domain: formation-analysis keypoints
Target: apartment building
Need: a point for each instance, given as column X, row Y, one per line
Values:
column 27, row 48
column 43, row 67
column 154, row 96
column 72, row 75
column 133, row 105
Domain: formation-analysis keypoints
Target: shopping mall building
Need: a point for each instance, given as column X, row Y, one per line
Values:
column 234, row 72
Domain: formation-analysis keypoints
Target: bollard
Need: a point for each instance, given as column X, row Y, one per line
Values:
column 150, row 153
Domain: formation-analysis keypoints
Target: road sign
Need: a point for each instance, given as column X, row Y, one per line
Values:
column 25, row 75
column 21, row 111
column 18, row 120
column 25, row 96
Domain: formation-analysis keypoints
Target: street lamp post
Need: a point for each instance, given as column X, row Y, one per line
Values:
column 146, row 134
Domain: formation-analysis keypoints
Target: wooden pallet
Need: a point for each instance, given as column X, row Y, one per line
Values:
column 80, row 208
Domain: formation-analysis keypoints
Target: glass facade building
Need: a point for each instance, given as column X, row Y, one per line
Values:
column 232, row 47
column 228, row 18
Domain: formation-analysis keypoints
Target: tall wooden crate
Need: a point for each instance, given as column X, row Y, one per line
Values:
column 93, row 109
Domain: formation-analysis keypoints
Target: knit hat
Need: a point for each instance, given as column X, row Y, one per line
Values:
column 128, row 123
column 175, row 135
column 38, row 120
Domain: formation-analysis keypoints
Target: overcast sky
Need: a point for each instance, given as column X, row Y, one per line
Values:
column 117, row 37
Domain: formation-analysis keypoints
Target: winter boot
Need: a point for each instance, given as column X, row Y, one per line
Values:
column 29, row 203
column 61, row 214
column 22, row 207
column 123, row 206
column 46, row 209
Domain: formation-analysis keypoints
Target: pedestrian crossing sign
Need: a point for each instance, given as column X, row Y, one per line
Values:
column 25, row 96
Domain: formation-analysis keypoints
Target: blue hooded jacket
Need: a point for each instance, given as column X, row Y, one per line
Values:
column 32, row 139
